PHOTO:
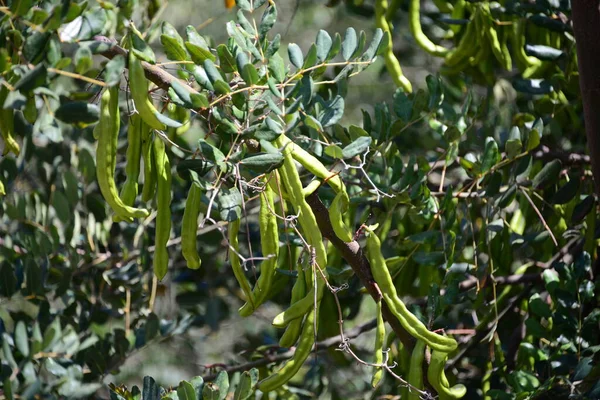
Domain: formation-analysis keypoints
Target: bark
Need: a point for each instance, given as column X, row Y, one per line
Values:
column 586, row 26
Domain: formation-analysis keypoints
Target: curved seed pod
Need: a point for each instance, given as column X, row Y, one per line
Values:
column 136, row 130
column 269, row 240
column 303, row 349
column 163, row 206
column 139, row 93
column 312, row 164
column 308, row 223
column 189, row 225
column 391, row 62
column 414, row 19
column 106, row 155
column 379, row 341
column 409, row 321
column 415, row 372
column 338, row 208
column 149, row 188
column 236, row 266
column 292, row 332
column 437, row 378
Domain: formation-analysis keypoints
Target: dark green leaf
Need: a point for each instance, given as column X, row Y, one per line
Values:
column 491, row 155
column 229, row 201
column 267, row 21
column 332, row 111
column 185, row 391
column 358, row 146
column 226, row 60
column 263, row 163
column 548, row 175
column 78, row 112
column 247, row 382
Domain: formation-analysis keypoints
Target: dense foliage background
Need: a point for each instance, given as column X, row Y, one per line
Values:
column 479, row 181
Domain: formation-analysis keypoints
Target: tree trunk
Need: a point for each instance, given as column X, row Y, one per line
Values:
column 586, row 25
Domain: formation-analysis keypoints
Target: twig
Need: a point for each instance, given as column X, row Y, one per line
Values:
column 322, row 345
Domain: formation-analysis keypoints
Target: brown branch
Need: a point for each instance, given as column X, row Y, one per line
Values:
column 355, row 257
column 586, row 26
column 154, row 73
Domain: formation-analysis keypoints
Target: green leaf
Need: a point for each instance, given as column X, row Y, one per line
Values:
column 533, row 86
column 334, row 151
column 539, row 307
column 267, row 21
column 34, row 49
column 201, row 77
column 229, row 201
column 248, row 380
column 22, row 339
column 211, row 392
column 244, row 5
column 32, row 79
column 335, row 47
column 548, row 175
column 349, row 44
column 263, row 163
column 215, row 77
column 323, row 44
column 582, row 209
column 150, row 389
column 222, row 382
column 247, row 70
column 358, row 146
column 402, row 105
column 78, row 112
column 173, row 43
column 60, row 203
column 295, row 55
column 114, row 70
column 314, row 123
column 226, row 60
column 171, row 123
column 566, row 192
column 436, row 92
column 371, row 51
column 491, row 155
column 197, row 383
column 513, row 145
column 140, row 48
column 545, row 53
column 277, row 68
column 185, row 391
column 311, row 57
column 333, row 111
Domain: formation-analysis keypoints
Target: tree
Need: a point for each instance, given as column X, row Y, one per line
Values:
column 460, row 214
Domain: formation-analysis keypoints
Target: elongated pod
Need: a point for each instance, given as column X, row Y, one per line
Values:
column 409, row 321
column 189, row 225
column 163, row 212
column 138, row 85
column 106, row 153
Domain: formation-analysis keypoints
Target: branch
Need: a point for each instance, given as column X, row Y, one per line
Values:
column 355, row 257
column 586, row 26
column 154, row 73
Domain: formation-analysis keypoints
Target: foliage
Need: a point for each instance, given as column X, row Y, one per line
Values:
column 470, row 195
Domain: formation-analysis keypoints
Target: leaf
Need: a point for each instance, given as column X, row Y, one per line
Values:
column 332, row 112
column 173, row 43
column 140, row 48
column 222, row 382
column 210, row 392
column 226, row 60
column 335, row 47
column 402, row 105
column 295, row 55
column 371, row 51
column 150, row 389
column 245, row 388
column 114, row 70
column 311, row 57
column 334, row 151
column 358, row 146
column 491, row 155
column 582, row 209
column 229, row 201
column 436, row 92
column 32, row 79
column 566, row 192
column 548, row 175
column 533, row 86
column 349, row 44
column 78, row 112
column 545, row 53
column 197, row 383
column 277, row 68
column 323, row 44
column 267, row 21
column 263, row 163
column 185, row 391
column 35, row 46
column 22, row 339
column 513, row 145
